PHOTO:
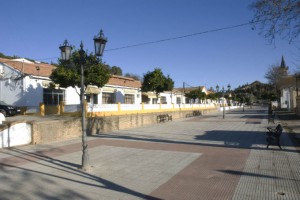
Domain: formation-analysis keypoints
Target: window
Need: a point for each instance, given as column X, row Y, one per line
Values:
column 53, row 96
column 187, row 100
column 129, row 99
column 154, row 101
column 92, row 98
column 108, row 98
column 163, row 100
column 178, row 100
column 88, row 98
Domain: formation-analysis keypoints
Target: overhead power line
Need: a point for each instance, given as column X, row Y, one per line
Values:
column 180, row 37
column 174, row 38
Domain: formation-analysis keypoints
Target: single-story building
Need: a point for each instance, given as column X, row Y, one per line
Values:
column 26, row 83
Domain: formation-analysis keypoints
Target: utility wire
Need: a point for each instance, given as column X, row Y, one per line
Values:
column 173, row 38
column 180, row 37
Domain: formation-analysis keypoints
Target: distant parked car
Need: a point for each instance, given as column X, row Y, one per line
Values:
column 9, row 110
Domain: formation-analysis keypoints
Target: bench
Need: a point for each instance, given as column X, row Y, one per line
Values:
column 164, row 118
column 197, row 113
column 273, row 136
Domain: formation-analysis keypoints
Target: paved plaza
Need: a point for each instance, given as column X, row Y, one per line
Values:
column 203, row 157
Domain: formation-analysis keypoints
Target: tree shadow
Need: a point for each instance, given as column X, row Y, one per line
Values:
column 32, row 96
column 241, row 173
column 215, row 138
column 230, row 138
column 249, row 111
column 40, row 158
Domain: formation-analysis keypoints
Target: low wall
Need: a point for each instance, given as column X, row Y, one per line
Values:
column 15, row 134
column 46, row 131
column 55, row 130
column 97, row 125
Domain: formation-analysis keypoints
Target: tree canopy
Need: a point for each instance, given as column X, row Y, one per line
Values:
column 275, row 73
column 114, row 70
column 254, row 92
column 156, row 81
column 68, row 72
column 134, row 76
column 277, row 18
column 196, row 94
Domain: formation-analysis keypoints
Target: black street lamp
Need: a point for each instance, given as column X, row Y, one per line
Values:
column 229, row 95
column 217, row 87
column 223, row 102
column 99, row 43
column 66, row 49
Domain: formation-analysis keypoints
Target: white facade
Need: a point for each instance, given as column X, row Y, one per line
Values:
column 27, row 88
column 288, row 98
column 18, row 89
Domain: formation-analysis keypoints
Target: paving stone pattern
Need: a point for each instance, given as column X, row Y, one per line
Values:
column 204, row 157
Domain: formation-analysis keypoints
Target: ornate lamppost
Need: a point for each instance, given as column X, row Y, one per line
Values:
column 229, row 94
column 217, row 87
column 223, row 102
column 66, row 50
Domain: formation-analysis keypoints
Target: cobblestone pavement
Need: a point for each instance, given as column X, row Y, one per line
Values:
column 204, row 157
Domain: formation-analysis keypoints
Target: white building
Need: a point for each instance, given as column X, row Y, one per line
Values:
column 288, row 93
column 26, row 83
column 22, row 82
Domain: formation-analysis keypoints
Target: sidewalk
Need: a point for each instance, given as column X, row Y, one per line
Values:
column 204, row 157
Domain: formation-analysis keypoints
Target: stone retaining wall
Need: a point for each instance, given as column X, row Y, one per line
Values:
column 46, row 131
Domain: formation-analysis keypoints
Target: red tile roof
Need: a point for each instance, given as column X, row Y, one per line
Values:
column 45, row 70
column 124, row 81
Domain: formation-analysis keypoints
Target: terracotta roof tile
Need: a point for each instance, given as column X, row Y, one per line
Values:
column 124, row 81
column 45, row 70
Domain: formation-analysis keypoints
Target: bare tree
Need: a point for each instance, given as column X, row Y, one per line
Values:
column 274, row 74
column 277, row 17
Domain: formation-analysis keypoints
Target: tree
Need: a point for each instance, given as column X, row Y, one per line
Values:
column 277, row 17
column 157, row 82
column 134, row 76
column 212, row 96
column 196, row 94
column 275, row 73
column 68, row 73
column 114, row 70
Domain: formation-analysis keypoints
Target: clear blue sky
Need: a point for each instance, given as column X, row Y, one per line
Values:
column 36, row 28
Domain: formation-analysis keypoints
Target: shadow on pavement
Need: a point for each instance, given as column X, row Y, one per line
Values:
column 54, row 164
column 216, row 138
column 242, row 173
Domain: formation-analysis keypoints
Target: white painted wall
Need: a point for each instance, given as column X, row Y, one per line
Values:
column 26, row 91
column 15, row 135
column 71, row 96
column 285, row 99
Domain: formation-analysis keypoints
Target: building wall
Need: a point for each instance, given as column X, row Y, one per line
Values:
column 10, row 90
column 25, row 91
column 285, row 98
column 72, row 97
column 32, row 94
